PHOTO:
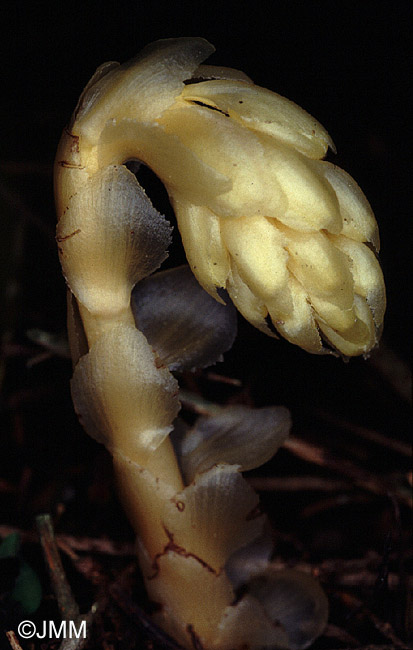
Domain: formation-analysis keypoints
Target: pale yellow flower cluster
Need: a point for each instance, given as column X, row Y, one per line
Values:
column 289, row 236
column 292, row 236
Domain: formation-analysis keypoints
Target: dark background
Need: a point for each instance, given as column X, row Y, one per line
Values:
column 347, row 64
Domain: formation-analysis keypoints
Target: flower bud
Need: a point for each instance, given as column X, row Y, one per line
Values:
column 287, row 235
column 291, row 239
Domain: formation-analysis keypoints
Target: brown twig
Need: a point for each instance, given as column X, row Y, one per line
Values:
column 94, row 545
column 67, row 604
column 78, row 643
column 198, row 404
column 313, row 454
column 398, row 446
column 384, row 627
column 369, row 647
column 70, row 544
column 222, row 379
column 335, row 632
column 93, row 570
column 296, row 483
column 13, row 640
column 332, row 502
column 344, row 573
column 359, row 476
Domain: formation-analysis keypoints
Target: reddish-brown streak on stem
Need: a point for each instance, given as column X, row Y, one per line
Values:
column 69, row 165
column 72, row 234
column 179, row 550
column 75, row 141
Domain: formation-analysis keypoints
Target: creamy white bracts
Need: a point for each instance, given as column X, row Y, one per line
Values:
column 264, row 220
column 289, row 236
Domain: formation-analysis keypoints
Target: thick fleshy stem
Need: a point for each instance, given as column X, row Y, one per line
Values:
column 256, row 207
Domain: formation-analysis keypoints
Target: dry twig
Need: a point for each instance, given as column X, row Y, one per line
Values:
column 15, row 645
column 68, row 607
column 384, row 627
column 335, row 632
column 70, row 544
column 78, row 643
column 296, row 483
column 359, row 476
column 398, row 446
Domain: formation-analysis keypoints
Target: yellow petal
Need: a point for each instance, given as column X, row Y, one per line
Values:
column 358, row 218
column 220, row 72
column 298, row 326
column 205, row 250
column 258, row 250
column 311, row 202
column 320, row 267
column 367, row 275
column 233, row 151
column 251, row 306
column 264, row 111
column 338, row 318
column 141, row 88
column 360, row 338
column 268, row 178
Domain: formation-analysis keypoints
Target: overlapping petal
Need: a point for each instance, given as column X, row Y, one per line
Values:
column 289, row 239
column 264, row 111
column 235, row 159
